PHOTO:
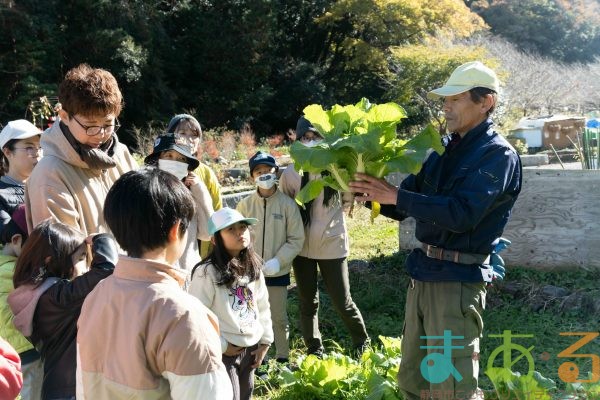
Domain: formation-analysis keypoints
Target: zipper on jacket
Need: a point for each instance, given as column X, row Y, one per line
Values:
column 264, row 227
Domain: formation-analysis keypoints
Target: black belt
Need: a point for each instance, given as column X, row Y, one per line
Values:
column 29, row 356
column 440, row 253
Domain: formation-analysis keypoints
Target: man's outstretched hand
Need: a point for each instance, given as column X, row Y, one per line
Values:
column 369, row 188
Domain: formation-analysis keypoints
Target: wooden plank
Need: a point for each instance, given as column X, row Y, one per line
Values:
column 554, row 223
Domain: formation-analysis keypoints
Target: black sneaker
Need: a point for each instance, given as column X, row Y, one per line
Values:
column 317, row 353
column 358, row 350
column 285, row 362
column 262, row 372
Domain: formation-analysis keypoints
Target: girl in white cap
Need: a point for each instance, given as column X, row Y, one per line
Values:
column 231, row 284
column 20, row 145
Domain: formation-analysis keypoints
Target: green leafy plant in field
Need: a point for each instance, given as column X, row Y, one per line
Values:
column 338, row 376
column 511, row 385
column 584, row 390
column 359, row 138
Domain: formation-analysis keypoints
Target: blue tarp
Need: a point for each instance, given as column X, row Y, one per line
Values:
column 593, row 123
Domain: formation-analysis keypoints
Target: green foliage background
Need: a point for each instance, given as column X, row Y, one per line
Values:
column 262, row 61
column 228, row 61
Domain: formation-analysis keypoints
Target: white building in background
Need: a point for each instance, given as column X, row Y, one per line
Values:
column 556, row 130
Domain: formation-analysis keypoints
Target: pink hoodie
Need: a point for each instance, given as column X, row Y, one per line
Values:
column 23, row 302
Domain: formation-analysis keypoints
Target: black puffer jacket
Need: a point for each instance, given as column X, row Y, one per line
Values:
column 11, row 196
column 55, row 319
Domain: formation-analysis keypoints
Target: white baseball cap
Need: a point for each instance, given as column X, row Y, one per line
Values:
column 225, row 217
column 466, row 77
column 18, row 129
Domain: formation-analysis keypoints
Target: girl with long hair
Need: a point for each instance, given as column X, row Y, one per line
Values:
column 231, row 284
column 325, row 250
column 51, row 284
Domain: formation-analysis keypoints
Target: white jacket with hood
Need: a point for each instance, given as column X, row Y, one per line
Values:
column 326, row 238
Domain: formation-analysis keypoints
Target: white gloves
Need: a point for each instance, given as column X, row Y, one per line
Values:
column 271, row 267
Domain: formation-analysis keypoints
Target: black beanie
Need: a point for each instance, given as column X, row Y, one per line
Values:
column 174, row 122
column 304, row 126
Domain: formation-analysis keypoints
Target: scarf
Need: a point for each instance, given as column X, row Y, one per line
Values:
column 100, row 158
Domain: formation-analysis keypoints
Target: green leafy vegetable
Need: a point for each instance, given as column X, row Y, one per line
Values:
column 510, row 385
column 359, row 138
column 337, row 376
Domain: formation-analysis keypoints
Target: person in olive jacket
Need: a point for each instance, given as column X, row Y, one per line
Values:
column 50, row 287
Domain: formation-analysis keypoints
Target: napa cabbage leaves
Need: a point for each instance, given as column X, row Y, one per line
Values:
column 359, row 138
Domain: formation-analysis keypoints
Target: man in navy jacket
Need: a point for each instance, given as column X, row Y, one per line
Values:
column 461, row 201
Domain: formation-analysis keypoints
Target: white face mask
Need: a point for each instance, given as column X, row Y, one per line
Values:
column 179, row 169
column 266, row 181
column 312, row 143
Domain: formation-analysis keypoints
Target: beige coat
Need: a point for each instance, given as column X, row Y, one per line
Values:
column 326, row 237
column 65, row 188
column 140, row 336
column 279, row 232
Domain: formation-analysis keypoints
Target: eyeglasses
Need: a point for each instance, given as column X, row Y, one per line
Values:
column 191, row 133
column 30, row 150
column 187, row 138
column 185, row 141
column 95, row 130
column 307, row 138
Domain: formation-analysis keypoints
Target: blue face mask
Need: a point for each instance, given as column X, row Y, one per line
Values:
column 266, row 181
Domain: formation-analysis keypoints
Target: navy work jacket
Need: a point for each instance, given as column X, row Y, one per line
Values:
column 461, row 200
